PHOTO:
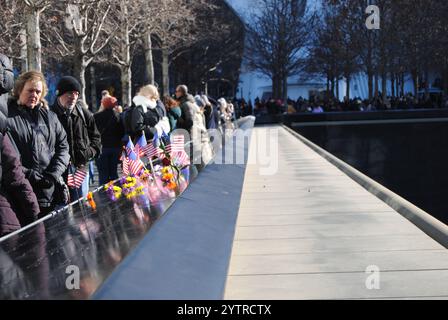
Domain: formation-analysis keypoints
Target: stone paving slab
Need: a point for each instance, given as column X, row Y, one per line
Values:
column 310, row 232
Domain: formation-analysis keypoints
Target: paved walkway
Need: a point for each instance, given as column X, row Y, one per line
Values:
column 310, row 232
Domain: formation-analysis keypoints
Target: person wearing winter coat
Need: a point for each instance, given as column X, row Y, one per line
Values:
column 111, row 128
column 149, row 115
column 18, row 203
column 173, row 110
column 39, row 138
column 186, row 102
column 83, row 136
column 6, row 82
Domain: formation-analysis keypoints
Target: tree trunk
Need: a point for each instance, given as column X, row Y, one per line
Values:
column 337, row 89
column 377, row 89
column 332, row 88
column 285, row 91
column 126, row 88
column 427, row 97
column 94, row 101
column 149, row 57
column 416, row 82
column 274, row 86
column 125, row 67
column 33, row 40
column 23, row 51
column 392, row 84
column 347, row 92
column 384, row 87
column 166, row 71
column 402, row 84
column 370, row 83
column 80, row 65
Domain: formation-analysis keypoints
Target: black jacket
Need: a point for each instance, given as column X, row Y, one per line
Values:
column 83, row 136
column 186, row 120
column 146, row 121
column 110, row 127
column 42, row 144
column 6, row 82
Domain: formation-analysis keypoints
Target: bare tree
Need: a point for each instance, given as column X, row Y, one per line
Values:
column 174, row 26
column 278, row 39
column 82, row 35
column 127, row 17
column 12, row 30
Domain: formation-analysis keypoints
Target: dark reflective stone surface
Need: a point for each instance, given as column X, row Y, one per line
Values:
column 411, row 159
column 33, row 264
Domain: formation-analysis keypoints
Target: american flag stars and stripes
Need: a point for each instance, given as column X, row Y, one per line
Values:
column 135, row 164
column 75, row 180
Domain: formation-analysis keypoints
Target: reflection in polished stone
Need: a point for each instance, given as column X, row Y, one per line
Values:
column 33, row 264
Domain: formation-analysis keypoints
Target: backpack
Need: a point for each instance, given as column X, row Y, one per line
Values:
column 126, row 118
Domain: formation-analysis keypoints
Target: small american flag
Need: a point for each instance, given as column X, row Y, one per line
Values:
column 135, row 164
column 177, row 144
column 150, row 151
column 182, row 158
column 125, row 160
column 75, row 180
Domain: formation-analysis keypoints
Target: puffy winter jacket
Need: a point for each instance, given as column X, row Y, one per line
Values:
column 15, row 189
column 110, row 127
column 83, row 136
column 6, row 82
column 149, row 117
column 42, row 144
column 186, row 120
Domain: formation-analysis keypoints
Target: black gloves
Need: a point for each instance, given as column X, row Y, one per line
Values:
column 44, row 181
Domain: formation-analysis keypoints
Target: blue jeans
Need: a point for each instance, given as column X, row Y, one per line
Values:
column 107, row 165
column 76, row 194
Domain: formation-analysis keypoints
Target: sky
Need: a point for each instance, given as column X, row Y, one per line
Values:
column 246, row 7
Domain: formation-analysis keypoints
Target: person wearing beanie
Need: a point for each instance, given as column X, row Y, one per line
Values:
column 83, row 136
column 111, row 128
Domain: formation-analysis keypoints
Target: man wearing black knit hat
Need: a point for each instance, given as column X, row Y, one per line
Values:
column 82, row 133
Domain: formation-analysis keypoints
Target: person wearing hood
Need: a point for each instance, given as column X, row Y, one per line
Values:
column 187, row 105
column 149, row 115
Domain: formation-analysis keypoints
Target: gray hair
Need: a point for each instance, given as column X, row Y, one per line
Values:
column 183, row 88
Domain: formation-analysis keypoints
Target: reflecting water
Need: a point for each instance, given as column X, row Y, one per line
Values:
column 33, row 264
column 410, row 159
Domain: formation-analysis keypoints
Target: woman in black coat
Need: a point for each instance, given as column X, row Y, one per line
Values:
column 111, row 129
column 39, row 137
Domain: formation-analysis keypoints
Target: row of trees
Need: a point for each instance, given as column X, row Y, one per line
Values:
column 286, row 38
column 109, row 31
column 412, row 42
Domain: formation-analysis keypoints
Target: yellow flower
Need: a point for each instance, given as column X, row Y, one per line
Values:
column 165, row 170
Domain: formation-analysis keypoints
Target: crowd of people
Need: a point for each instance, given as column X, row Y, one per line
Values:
column 320, row 105
column 42, row 145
